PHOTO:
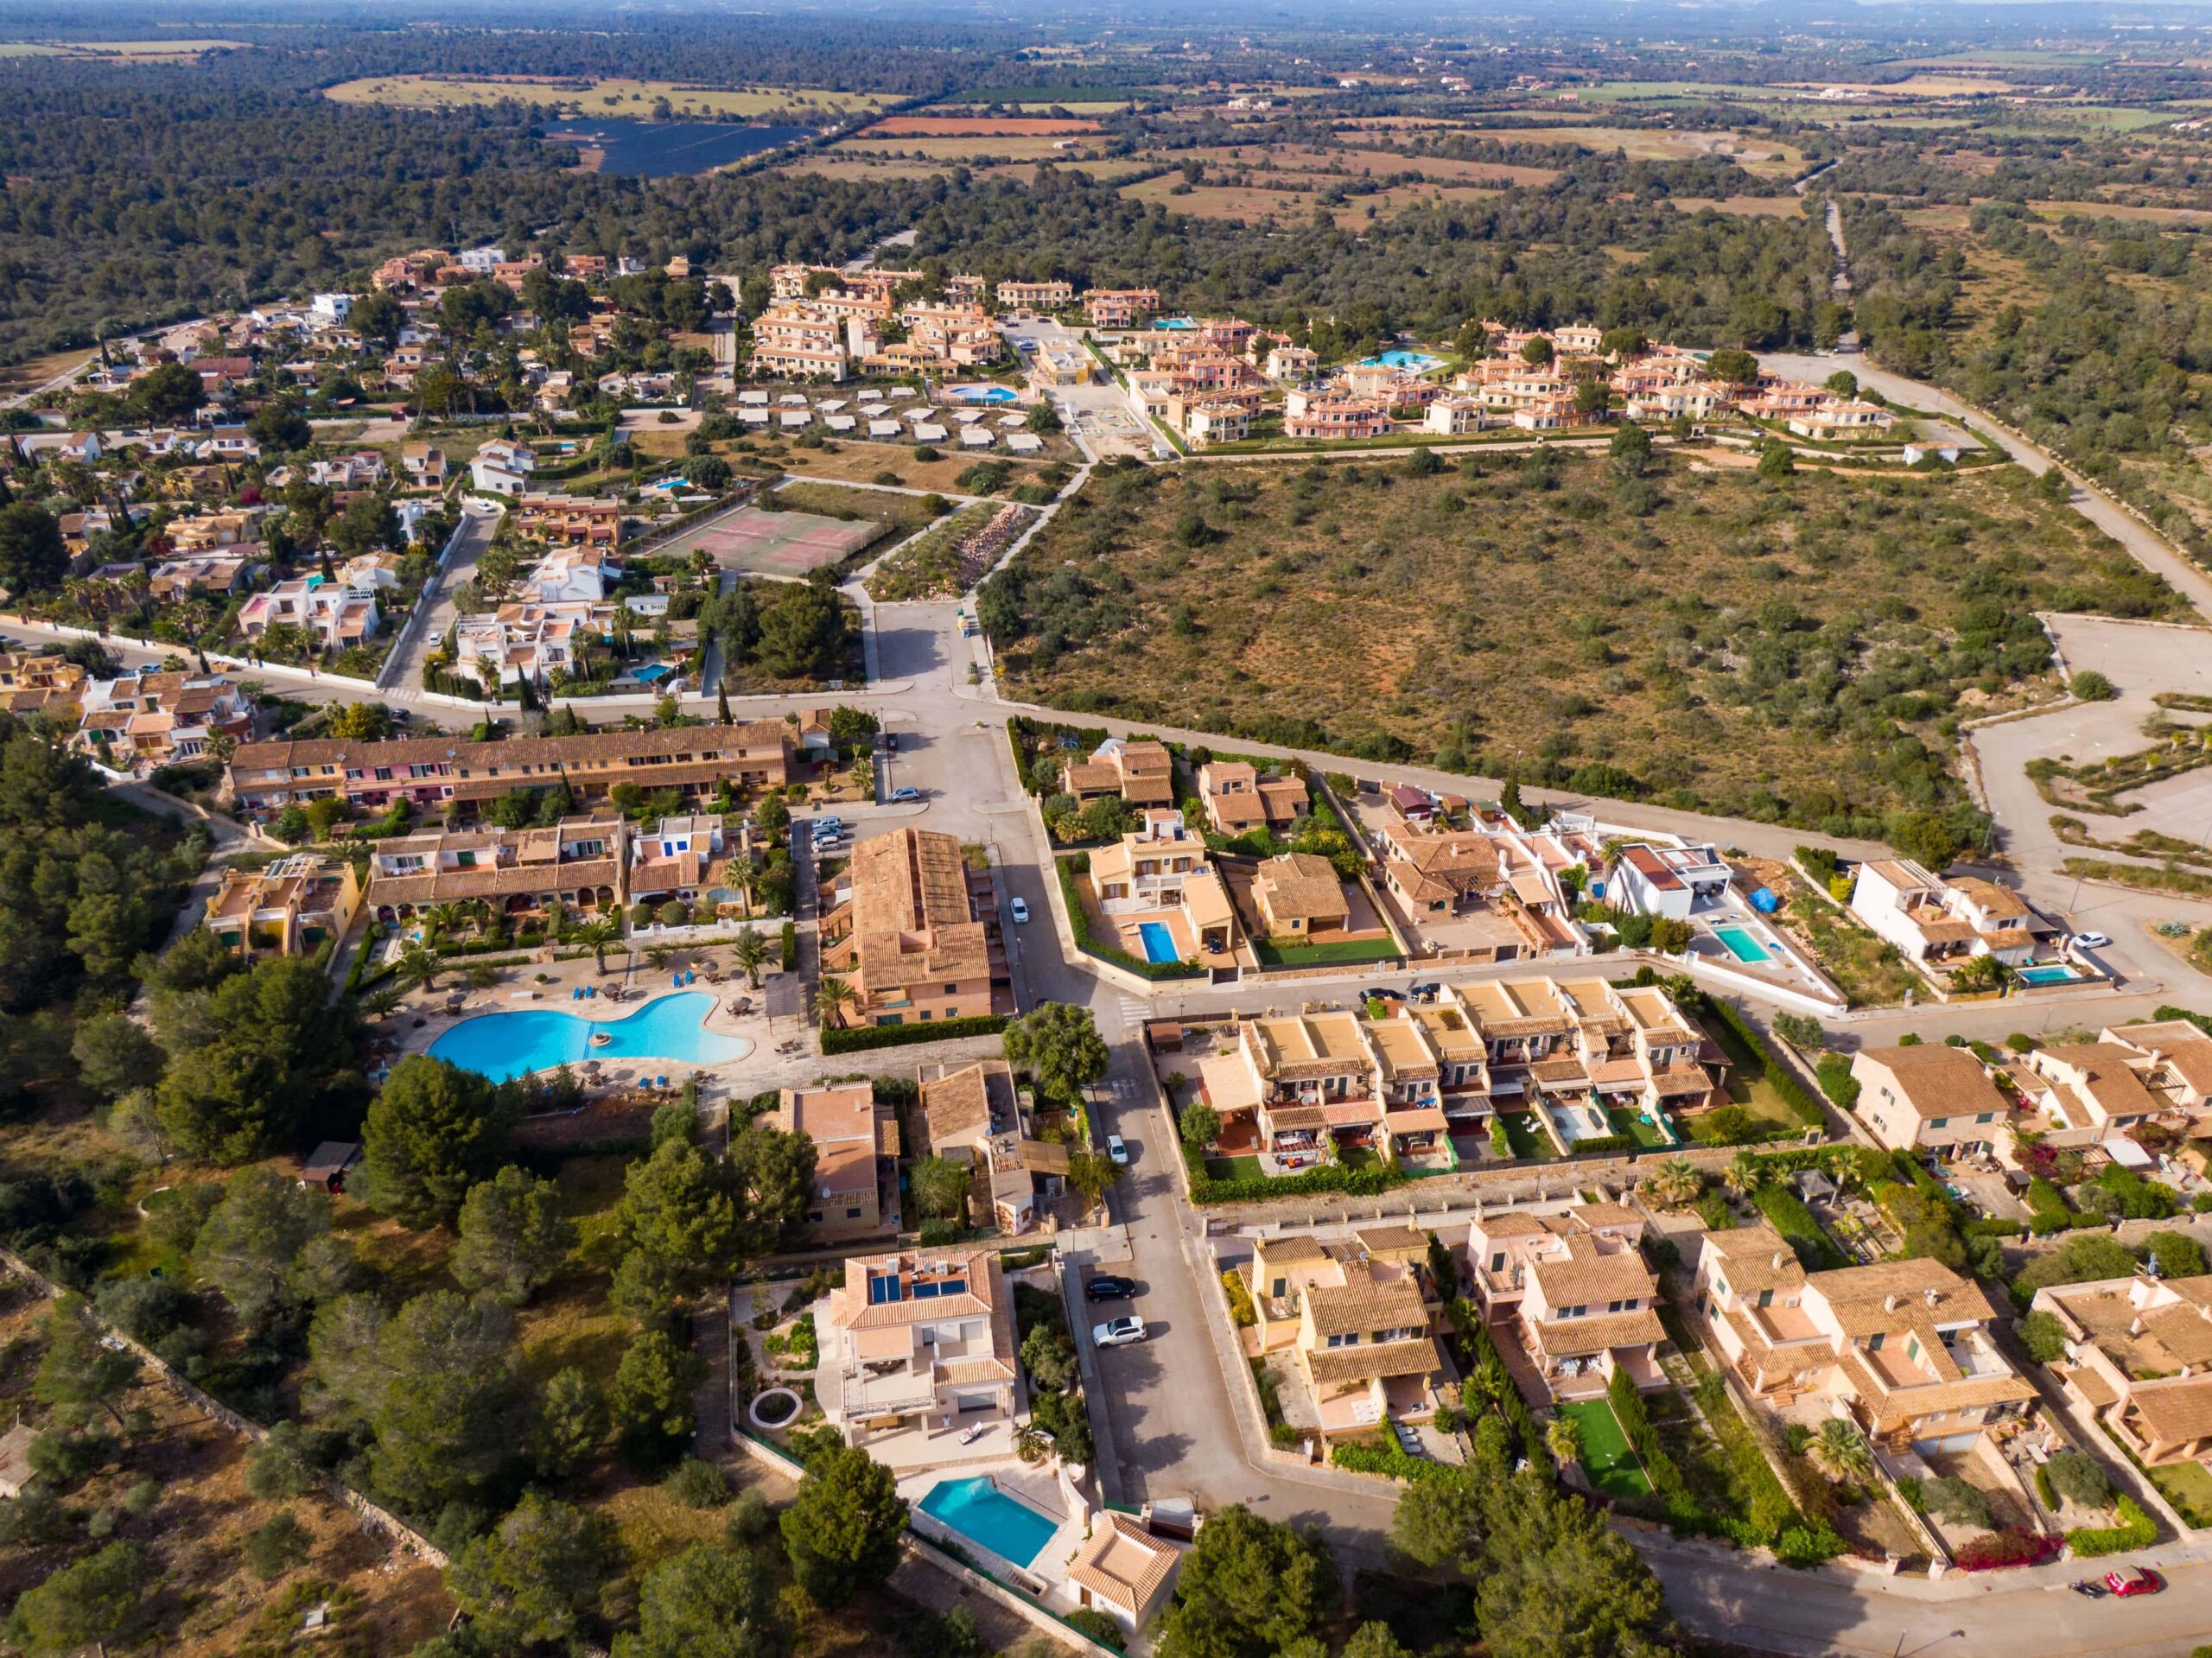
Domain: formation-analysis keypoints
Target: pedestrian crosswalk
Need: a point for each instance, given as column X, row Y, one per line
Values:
column 1135, row 1010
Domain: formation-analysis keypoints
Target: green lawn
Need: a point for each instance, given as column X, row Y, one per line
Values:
column 1635, row 1124
column 1755, row 1094
column 1526, row 1138
column 1612, row 1467
column 1234, row 1168
column 1354, row 950
column 2188, row 1486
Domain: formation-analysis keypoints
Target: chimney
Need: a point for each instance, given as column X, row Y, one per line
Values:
column 1890, row 1303
column 1780, row 1256
column 1931, row 1295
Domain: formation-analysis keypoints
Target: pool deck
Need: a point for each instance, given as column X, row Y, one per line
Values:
column 1036, row 1487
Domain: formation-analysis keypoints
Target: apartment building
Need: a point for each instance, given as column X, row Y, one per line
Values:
column 1034, row 295
column 528, row 641
column 693, row 761
column 687, row 858
column 1685, row 400
column 855, row 1152
column 903, row 930
column 1291, row 364
column 1208, row 424
column 1303, row 1086
column 288, row 909
column 1119, row 307
column 149, row 718
column 1934, row 920
column 36, row 684
column 1355, row 1317
column 1238, row 799
column 919, row 1343
column 577, row 863
column 962, row 336
column 2139, row 1358
column 1572, row 1293
column 1929, row 1097
column 1453, row 416
column 798, row 342
column 1142, row 773
column 1847, row 419
column 1326, row 417
column 570, row 520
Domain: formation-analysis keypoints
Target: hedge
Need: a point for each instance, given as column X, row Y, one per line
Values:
column 1258, row 1188
column 1795, row 1223
column 1394, row 1463
column 855, row 1039
column 1468, row 1321
column 1595, row 1144
column 791, row 945
column 2136, row 1529
column 1080, row 924
column 1803, row 1105
column 355, row 980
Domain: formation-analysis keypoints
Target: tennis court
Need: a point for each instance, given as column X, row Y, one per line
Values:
column 774, row 543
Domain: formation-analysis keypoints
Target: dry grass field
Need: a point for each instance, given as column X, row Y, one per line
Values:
column 1250, row 204
column 1721, row 638
column 175, row 52
column 1748, row 207
column 613, row 100
column 973, row 126
column 1028, row 147
column 1307, row 160
column 34, row 372
column 1760, row 156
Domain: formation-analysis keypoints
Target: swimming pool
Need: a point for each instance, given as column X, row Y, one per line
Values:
column 2050, row 973
column 504, row 1045
column 1178, row 323
column 1742, row 944
column 981, row 1512
column 653, row 671
column 981, row 393
column 1159, row 943
column 1419, row 361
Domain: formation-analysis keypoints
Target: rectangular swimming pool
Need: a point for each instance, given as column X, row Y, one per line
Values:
column 1159, row 943
column 979, row 1511
column 1742, row 944
column 2050, row 973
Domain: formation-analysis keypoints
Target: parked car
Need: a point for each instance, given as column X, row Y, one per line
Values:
column 2090, row 941
column 908, row 793
column 2091, row 1587
column 1118, row 1332
column 2122, row 1580
column 828, row 825
column 1117, row 1148
column 1381, row 993
column 1428, row 992
column 890, row 742
column 1108, row 1288
column 1018, row 909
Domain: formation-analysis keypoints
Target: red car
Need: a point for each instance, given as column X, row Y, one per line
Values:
column 2134, row 1580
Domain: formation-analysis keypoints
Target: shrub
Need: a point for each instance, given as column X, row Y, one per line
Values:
column 2136, row 1529
column 1959, row 1503
column 860, row 1037
column 789, row 946
column 1089, row 1621
column 699, row 1484
column 2013, row 1547
column 1330, row 1177
column 2045, row 1337
column 1794, row 1222
column 1801, row 1105
column 1240, row 1299
column 2078, row 1478
column 1392, row 1462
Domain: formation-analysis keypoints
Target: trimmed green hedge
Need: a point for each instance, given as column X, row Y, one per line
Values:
column 1258, row 1188
column 859, row 1036
column 1802, row 1105
column 791, row 945
column 2136, row 1529
column 1795, row 1223
column 1394, row 1463
column 1080, row 924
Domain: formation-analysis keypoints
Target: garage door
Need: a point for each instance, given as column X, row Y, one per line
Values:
column 964, row 1403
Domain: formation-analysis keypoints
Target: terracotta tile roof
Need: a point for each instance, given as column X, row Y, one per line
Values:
column 1756, row 1257
column 1591, row 1276
column 1578, row 1338
column 474, row 759
column 1935, row 1081
column 2174, row 1409
column 1122, row 1562
column 1368, row 1300
column 1301, row 884
column 1405, row 1358
column 910, row 920
column 957, row 1105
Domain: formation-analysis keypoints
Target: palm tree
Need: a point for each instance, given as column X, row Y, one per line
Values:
column 595, row 935
column 832, row 996
column 750, row 952
column 1838, row 1450
column 420, row 967
column 438, row 920
column 1978, row 973
column 657, row 956
column 1676, row 1181
column 1744, row 1175
column 1563, row 1438
column 381, row 1004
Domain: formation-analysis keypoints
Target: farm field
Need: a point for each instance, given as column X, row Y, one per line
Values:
column 608, row 98
column 972, row 126
column 1760, row 156
column 1024, row 147
column 1252, row 203
column 34, row 372
column 178, row 51
column 1303, row 159
column 1765, row 207
column 1753, row 643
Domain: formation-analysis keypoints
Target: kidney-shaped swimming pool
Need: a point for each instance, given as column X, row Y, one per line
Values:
column 504, row 1045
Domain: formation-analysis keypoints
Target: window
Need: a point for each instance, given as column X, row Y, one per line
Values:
column 1349, row 1339
column 852, row 1214
column 1937, row 1122
column 1874, row 1343
column 1987, row 1116
column 952, row 990
column 1766, row 1298
column 1497, row 1261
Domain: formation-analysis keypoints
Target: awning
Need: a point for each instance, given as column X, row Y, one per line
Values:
column 1427, row 1120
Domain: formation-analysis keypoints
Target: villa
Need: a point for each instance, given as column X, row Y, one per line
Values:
column 1572, row 1293
column 528, row 640
column 974, row 1116
column 1932, row 920
column 919, row 1343
column 1355, row 1316
column 288, row 909
column 904, row 929
column 2139, row 1358
column 2173, row 1057
column 1299, row 898
column 1301, row 1086
column 1931, row 1097
column 1675, row 881
column 855, row 1152
column 335, row 616
column 570, row 520
column 577, row 863
column 1142, row 773
column 1158, row 888
column 1238, row 799
column 1122, row 1569
column 2093, row 1085
column 697, row 761
column 155, row 717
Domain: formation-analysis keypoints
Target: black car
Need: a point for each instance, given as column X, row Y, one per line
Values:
column 1425, row 992
column 1107, row 1287
column 1381, row 993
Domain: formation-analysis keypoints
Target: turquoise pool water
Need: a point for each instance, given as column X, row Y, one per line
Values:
column 979, row 1511
column 1742, row 945
column 1159, row 943
column 504, row 1045
column 1178, row 323
column 981, row 393
column 2048, row 975
column 1420, row 361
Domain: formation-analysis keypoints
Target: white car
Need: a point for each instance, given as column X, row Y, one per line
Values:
column 2090, row 941
column 1018, row 909
column 1117, row 1148
column 1118, row 1332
